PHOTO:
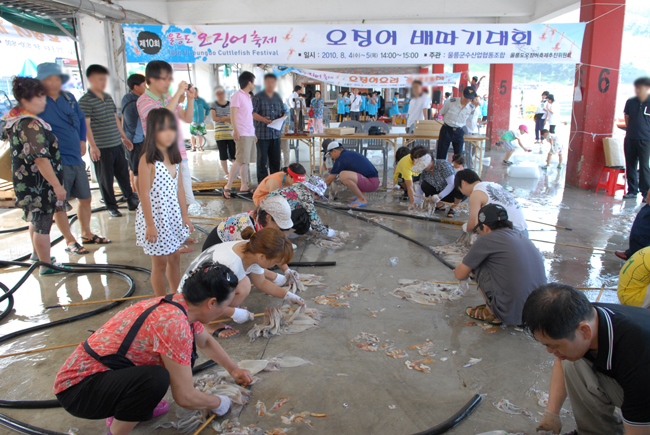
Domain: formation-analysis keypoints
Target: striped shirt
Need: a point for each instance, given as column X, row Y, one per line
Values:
column 222, row 130
column 149, row 101
column 102, row 119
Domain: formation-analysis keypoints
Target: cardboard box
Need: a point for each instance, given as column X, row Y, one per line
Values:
column 614, row 155
column 340, row 130
column 5, row 162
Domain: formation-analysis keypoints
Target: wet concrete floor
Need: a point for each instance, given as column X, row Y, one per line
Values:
column 512, row 363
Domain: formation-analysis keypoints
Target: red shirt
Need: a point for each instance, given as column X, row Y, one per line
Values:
column 166, row 331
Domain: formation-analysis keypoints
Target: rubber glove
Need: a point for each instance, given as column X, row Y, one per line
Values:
column 435, row 199
column 242, row 315
column 331, row 233
column 280, row 280
column 224, row 407
column 551, row 422
column 293, row 298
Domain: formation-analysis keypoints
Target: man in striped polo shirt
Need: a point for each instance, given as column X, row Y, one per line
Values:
column 105, row 137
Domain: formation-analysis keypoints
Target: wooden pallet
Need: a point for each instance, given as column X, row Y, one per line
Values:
column 211, row 185
column 7, row 194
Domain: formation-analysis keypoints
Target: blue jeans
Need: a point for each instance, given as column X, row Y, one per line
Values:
column 268, row 151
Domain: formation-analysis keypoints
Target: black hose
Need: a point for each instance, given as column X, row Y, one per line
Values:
column 311, row 263
column 390, row 230
column 370, row 221
column 394, row 213
column 464, row 412
column 10, row 305
column 25, row 428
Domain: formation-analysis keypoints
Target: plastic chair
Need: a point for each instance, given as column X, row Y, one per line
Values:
column 611, row 184
column 327, row 117
column 377, row 144
column 353, row 144
column 295, row 145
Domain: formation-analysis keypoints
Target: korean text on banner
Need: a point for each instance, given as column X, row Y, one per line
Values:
column 374, row 81
column 354, row 44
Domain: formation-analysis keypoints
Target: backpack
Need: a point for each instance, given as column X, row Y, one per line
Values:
column 375, row 131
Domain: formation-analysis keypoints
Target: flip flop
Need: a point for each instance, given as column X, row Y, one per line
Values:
column 358, row 204
column 451, row 213
column 354, row 198
column 225, row 193
column 485, row 316
column 226, row 328
column 184, row 249
column 95, row 239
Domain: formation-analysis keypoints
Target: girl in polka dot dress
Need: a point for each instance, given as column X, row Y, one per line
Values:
column 161, row 224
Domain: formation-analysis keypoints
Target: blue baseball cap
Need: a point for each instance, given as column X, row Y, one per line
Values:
column 48, row 69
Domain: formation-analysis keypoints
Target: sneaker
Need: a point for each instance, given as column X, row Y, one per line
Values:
column 559, row 166
column 115, row 213
column 630, row 195
column 508, row 163
column 544, row 168
column 53, row 271
column 34, row 258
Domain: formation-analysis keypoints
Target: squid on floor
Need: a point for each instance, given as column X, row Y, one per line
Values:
column 276, row 322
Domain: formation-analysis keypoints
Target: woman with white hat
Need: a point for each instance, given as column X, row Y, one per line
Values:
column 301, row 196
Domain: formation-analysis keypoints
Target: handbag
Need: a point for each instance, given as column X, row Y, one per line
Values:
column 311, row 113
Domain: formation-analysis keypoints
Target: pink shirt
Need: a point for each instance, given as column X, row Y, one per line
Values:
column 242, row 101
column 146, row 103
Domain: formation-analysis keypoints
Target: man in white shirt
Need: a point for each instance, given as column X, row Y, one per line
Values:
column 455, row 113
column 355, row 105
column 419, row 106
column 294, row 96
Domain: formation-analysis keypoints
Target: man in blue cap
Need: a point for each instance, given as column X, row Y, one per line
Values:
column 455, row 112
column 68, row 124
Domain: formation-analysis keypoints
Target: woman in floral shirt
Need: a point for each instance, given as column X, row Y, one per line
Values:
column 36, row 165
column 317, row 107
column 301, row 195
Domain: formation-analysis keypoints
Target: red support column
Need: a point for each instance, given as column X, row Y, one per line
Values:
column 464, row 78
column 499, row 102
column 593, row 117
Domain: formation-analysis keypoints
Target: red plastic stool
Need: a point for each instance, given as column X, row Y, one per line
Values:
column 611, row 183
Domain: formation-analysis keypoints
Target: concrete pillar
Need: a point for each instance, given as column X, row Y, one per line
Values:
column 500, row 91
column 593, row 117
column 464, row 78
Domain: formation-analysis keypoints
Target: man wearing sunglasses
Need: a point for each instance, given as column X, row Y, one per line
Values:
column 507, row 267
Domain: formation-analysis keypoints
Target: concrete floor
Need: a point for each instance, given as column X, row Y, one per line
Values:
column 512, row 363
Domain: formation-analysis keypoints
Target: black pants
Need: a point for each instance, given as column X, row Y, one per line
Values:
column 450, row 136
column 539, row 126
column 341, row 115
column 637, row 154
column 129, row 394
column 354, row 116
column 551, row 129
column 212, row 239
column 226, row 149
column 640, row 232
column 268, row 150
column 113, row 164
column 429, row 190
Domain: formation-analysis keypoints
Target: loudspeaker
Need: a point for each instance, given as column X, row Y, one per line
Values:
column 437, row 96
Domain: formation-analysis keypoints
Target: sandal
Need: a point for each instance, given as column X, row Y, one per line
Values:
column 451, row 213
column 225, row 193
column 481, row 314
column 76, row 249
column 184, row 249
column 357, row 204
column 217, row 333
column 95, row 239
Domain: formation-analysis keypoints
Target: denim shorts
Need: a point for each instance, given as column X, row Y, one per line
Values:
column 75, row 181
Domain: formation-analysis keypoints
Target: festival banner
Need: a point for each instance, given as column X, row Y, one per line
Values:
column 16, row 41
column 372, row 81
column 356, row 44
